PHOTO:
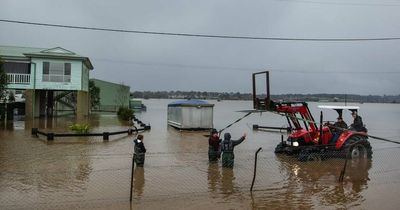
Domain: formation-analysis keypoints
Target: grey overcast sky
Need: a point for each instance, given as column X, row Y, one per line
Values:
column 161, row 62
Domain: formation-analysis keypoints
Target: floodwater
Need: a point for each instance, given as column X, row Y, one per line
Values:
column 87, row 173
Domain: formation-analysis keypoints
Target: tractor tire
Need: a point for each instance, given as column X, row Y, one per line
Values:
column 280, row 148
column 303, row 155
column 357, row 147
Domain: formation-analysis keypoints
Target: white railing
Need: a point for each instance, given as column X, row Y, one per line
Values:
column 18, row 78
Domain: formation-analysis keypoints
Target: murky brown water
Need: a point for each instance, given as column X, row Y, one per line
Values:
column 87, row 173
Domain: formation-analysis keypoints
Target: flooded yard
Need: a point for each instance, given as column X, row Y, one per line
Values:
column 88, row 173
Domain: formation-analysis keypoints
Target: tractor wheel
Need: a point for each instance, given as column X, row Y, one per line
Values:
column 280, row 148
column 358, row 147
column 303, row 155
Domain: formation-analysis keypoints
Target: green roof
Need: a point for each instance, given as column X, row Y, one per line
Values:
column 17, row 52
column 29, row 52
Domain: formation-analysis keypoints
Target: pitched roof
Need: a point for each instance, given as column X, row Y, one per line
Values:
column 17, row 52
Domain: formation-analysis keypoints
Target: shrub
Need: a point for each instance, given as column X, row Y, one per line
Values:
column 79, row 128
column 125, row 113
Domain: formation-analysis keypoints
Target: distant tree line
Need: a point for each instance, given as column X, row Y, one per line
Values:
column 339, row 98
column 191, row 95
column 281, row 97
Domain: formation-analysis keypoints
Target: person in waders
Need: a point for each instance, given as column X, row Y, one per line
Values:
column 214, row 152
column 227, row 146
column 139, row 151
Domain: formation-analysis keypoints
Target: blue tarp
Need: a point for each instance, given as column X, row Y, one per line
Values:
column 193, row 102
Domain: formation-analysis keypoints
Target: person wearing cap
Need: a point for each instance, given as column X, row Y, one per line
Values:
column 338, row 128
column 214, row 152
column 139, row 151
column 340, row 125
column 358, row 124
column 227, row 146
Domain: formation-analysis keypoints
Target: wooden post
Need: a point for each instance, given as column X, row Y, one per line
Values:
column 34, row 132
column 106, row 136
column 50, row 136
column 133, row 169
column 255, row 169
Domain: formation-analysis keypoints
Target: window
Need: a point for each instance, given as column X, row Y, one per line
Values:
column 56, row 72
column 67, row 67
column 45, row 67
column 17, row 68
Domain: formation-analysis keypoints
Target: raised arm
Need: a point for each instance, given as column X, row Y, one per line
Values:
column 236, row 142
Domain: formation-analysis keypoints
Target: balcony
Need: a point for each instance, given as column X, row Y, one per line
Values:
column 18, row 78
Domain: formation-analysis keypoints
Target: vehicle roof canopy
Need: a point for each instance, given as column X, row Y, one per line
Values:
column 339, row 109
column 351, row 108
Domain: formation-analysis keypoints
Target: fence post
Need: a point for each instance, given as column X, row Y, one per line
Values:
column 133, row 168
column 50, row 136
column 34, row 132
column 341, row 177
column 255, row 169
column 106, row 136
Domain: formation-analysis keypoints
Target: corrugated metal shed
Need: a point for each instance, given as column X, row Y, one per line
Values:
column 190, row 114
column 112, row 95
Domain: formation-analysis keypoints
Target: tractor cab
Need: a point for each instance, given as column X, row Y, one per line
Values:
column 337, row 128
column 339, row 110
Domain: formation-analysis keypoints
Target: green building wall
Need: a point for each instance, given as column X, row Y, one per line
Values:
column 112, row 95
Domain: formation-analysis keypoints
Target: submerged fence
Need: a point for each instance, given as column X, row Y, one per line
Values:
column 79, row 180
column 106, row 135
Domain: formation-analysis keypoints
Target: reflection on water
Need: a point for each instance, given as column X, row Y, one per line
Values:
column 227, row 181
column 214, row 177
column 177, row 172
column 320, row 178
column 221, row 180
column 312, row 184
column 138, row 184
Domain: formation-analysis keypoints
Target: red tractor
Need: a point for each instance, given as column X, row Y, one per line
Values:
column 306, row 139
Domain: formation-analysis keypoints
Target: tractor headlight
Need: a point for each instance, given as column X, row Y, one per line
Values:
column 295, row 144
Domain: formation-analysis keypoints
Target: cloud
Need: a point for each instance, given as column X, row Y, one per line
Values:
column 155, row 62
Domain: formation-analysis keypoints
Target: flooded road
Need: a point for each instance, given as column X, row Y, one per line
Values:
column 87, row 173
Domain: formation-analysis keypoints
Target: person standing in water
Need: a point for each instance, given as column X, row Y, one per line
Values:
column 227, row 147
column 139, row 151
column 214, row 146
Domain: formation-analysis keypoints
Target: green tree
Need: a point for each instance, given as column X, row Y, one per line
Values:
column 11, row 97
column 3, row 95
column 94, row 92
column 3, row 82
